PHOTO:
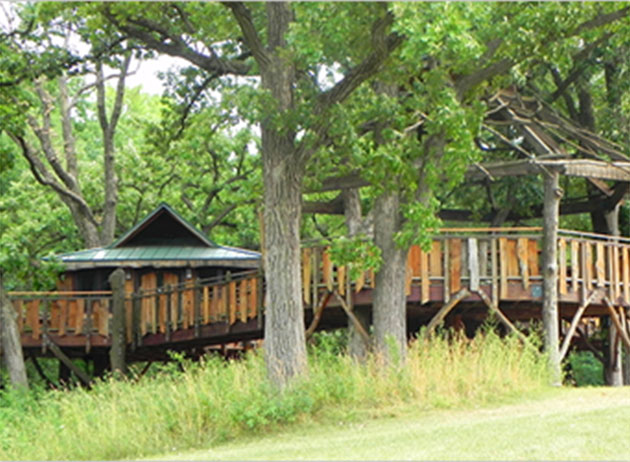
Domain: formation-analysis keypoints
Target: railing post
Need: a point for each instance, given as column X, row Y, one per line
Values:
column 169, row 320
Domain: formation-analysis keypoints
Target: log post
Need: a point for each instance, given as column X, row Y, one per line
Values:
column 119, row 330
column 551, row 208
column 11, row 344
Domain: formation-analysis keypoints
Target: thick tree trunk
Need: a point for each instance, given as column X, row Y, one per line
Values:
column 119, row 339
column 352, row 212
column 389, row 304
column 11, row 345
column 614, row 367
column 551, row 209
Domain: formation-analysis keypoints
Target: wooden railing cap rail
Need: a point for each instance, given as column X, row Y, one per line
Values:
column 60, row 293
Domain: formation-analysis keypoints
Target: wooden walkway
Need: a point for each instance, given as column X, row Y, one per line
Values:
column 475, row 269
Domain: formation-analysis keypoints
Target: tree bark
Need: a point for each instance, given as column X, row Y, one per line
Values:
column 11, row 344
column 285, row 343
column 389, row 304
column 119, row 340
column 352, row 211
column 551, row 208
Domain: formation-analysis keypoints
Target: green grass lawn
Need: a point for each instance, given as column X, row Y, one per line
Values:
column 567, row 424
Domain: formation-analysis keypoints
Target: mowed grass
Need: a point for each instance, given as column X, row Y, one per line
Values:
column 560, row 424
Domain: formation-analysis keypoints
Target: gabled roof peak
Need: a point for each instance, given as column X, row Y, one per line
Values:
column 163, row 226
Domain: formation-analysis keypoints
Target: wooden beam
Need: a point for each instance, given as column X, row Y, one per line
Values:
column 618, row 325
column 319, row 311
column 446, row 309
column 574, row 324
column 357, row 324
column 61, row 356
column 503, row 318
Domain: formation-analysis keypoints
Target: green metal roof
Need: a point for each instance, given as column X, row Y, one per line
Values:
column 162, row 253
column 162, row 236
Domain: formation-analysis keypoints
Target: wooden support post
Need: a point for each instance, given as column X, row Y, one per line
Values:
column 10, row 343
column 117, row 351
column 473, row 264
column 61, row 356
column 446, row 309
column 574, row 324
column 551, row 208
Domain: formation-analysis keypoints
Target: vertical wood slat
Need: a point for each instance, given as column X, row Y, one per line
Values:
column 79, row 316
column 424, row 275
column 188, row 298
column 243, row 299
column 408, row 272
column 473, row 264
column 171, row 279
column 253, row 302
column 360, row 282
column 616, row 279
column 455, row 266
column 148, row 283
column 32, row 318
column 215, row 303
column 522, row 254
column 372, row 278
column 532, row 257
column 100, row 315
column 609, row 272
column 162, row 314
column 588, row 262
column 205, row 296
column 306, row 275
column 53, row 318
column 600, row 267
column 223, row 304
column 232, row 302
column 341, row 280
column 625, row 261
column 575, row 266
column 415, row 260
column 562, row 266
column 446, row 271
column 63, row 316
column 512, row 260
column 503, row 267
column 327, row 272
column 435, row 259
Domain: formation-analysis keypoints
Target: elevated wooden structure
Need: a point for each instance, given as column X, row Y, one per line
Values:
column 474, row 270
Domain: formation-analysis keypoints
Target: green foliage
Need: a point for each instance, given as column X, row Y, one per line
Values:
column 214, row 400
column 357, row 252
column 586, row 369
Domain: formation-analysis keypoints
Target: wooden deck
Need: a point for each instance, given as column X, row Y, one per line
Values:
column 477, row 267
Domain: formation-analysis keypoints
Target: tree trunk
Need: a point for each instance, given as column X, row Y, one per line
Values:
column 119, row 339
column 551, row 208
column 389, row 304
column 614, row 366
column 352, row 212
column 11, row 344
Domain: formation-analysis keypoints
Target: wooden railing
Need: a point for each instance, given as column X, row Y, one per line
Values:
column 62, row 313
column 193, row 304
column 504, row 261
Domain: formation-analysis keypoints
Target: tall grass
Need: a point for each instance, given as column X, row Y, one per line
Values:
column 214, row 401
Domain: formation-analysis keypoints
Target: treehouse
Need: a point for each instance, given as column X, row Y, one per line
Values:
column 183, row 292
column 162, row 249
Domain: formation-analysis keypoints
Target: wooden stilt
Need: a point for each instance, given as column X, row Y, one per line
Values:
column 615, row 319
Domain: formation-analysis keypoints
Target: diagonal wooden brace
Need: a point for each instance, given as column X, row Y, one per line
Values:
column 574, row 324
column 615, row 319
column 357, row 324
column 446, row 309
column 318, row 315
column 503, row 318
